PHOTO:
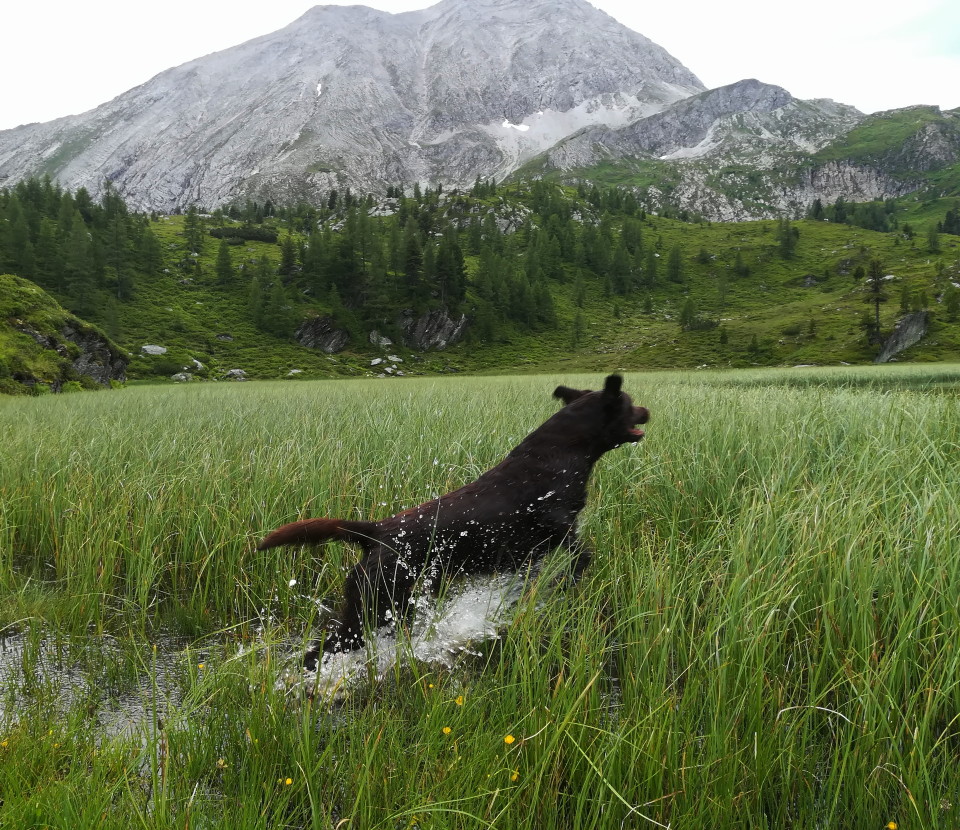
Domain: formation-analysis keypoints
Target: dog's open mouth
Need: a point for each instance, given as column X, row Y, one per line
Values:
column 640, row 416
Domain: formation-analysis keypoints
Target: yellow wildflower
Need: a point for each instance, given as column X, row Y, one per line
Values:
column 508, row 739
column 515, row 775
column 891, row 825
column 446, row 730
column 221, row 763
column 459, row 700
column 288, row 781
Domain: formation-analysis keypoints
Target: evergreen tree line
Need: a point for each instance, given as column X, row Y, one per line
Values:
column 90, row 254
column 365, row 269
column 873, row 216
column 951, row 222
column 521, row 243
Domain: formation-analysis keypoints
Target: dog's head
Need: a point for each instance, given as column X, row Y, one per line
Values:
column 609, row 414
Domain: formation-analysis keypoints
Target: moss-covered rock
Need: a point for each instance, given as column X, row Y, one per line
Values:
column 43, row 345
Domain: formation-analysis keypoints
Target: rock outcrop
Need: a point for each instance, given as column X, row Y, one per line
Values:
column 45, row 344
column 321, row 333
column 909, row 331
column 99, row 358
column 433, row 330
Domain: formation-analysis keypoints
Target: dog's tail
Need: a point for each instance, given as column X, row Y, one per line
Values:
column 315, row 531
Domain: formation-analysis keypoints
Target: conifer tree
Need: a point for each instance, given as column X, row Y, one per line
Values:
column 117, row 250
column 579, row 329
column 413, row 263
column 451, row 270
column 224, row 266
column 277, row 312
column 740, row 268
column 288, row 255
column 621, row 272
column 49, row 256
column 149, row 254
column 875, row 296
column 951, row 302
column 675, row 264
column 787, row 238
column 79, row 268
column 193, row 232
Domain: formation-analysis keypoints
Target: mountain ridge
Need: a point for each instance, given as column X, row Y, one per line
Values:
column 349, row 95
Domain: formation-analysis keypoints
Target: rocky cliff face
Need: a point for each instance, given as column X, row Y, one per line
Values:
column 432, row 330
column 350, row 95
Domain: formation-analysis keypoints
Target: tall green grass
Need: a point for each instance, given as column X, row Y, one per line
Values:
column 767, row 636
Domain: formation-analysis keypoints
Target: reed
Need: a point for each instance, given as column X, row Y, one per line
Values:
column 767, row 636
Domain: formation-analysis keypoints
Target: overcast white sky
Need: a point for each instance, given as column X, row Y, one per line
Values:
column 60, row 57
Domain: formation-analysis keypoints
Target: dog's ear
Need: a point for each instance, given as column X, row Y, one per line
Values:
column 612, row 385
column 568, row 395
column 611, row 391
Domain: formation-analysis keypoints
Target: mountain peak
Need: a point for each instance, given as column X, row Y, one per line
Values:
column 352, row 95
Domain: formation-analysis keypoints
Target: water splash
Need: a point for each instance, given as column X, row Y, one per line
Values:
column 472, row 612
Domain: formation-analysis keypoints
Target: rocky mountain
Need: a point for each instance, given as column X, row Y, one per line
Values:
column 350, row 95
column 751, row 150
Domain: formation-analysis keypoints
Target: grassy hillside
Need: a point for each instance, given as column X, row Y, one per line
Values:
column 554, row 277
column 879, row 135
column 774, row 304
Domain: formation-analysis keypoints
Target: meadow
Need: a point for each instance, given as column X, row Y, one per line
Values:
column 767, row 636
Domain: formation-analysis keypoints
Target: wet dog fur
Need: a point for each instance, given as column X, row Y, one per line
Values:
column 512, row 514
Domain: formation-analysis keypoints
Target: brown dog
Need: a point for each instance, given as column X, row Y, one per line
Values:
column 524, row 507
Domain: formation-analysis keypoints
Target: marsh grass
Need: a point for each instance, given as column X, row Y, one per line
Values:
column 767, row 636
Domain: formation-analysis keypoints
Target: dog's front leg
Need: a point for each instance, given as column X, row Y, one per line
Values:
column 377, row 591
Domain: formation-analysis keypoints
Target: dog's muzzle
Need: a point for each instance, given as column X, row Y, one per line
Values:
column 640, row 416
